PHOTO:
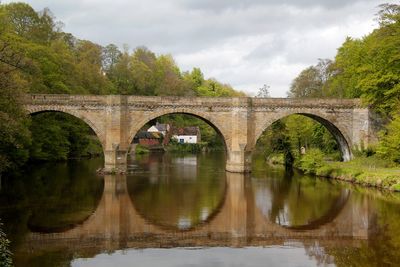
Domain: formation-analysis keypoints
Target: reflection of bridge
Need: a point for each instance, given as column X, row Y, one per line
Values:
column 116, row 224
column 240, row 121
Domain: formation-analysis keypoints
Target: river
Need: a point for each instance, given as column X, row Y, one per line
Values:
column 185, row 210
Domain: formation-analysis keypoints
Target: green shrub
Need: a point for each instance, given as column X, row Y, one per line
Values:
column 5, row 254
column 396, row 187
column 325, row 170
column 141, row 150
column 311, row 161
column 389, row 145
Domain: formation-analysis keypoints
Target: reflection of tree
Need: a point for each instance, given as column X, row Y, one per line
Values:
column 53, row 197
column 280, row 191
column 173, row 197
column 383, row 245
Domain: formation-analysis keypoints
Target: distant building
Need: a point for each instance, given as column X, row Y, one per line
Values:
column 187, row 135
column 162, row 128
column 147, row 138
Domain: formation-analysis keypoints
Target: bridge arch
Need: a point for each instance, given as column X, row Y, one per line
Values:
column 137, row 125
column 334, row 127
column 76, row 114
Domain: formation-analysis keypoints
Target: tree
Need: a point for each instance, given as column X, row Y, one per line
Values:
column 263, row 91
column 389, row 146
column 311, row 81
column 111, row 55
column 388, row 14
column 89, row 68
column 370, row 67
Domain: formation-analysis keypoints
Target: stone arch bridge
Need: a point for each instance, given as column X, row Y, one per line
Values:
column 240, row 120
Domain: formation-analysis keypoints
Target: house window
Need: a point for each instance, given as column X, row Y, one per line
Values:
column 181, row 140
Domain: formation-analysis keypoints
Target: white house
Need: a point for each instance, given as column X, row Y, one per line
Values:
column 187, row 135
column 159, row 128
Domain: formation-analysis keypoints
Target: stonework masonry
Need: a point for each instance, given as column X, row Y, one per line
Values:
column 240, row 120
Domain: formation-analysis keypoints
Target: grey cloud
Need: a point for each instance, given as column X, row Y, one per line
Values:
column 222, row 5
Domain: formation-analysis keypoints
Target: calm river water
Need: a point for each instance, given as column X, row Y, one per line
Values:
column 185, row 210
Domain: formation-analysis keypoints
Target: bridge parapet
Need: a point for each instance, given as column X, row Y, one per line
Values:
column 317, row 103
column 73, row 100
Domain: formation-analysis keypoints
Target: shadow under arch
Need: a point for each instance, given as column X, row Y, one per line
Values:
column 89, row 123
column 139, row 125
column 338, row 134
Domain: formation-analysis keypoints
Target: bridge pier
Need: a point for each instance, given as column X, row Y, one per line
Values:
column 238, row 161
column 115, row 161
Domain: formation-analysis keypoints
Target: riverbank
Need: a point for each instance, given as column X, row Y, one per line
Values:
column 179, row 148
column 366, row 171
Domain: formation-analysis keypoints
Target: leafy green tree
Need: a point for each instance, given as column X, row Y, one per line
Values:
column 111, row 55
column 370, row 67
column 89, row 68
column 389, row 146
column 310, row 82
column 14, row 134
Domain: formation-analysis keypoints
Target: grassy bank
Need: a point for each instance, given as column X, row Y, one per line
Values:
column 367, row 171
column 360, row 171
column 186, row 148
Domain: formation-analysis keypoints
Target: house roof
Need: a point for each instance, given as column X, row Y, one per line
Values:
column 147, row 135
column 190, row 130
column 162, row 127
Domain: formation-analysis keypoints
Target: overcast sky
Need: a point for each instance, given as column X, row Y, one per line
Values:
column 241, row 42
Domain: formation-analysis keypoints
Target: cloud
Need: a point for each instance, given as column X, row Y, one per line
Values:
column 241, row 42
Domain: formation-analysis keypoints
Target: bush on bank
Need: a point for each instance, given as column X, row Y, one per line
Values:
column 139, row 149
column 5, row 254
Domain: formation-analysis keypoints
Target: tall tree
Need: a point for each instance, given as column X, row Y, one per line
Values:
column 263, row 91
column 310, row 82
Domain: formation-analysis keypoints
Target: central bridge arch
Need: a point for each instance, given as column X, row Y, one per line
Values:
column 137, row 125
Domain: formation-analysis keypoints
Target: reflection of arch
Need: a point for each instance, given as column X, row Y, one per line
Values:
column 38, row 110
column 330, row 215
column 63, row 228
column 209, row 120
column 167, row 227
column 336, row 130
